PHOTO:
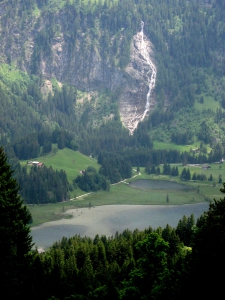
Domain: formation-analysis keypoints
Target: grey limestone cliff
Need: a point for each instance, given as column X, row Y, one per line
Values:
column 84, row 65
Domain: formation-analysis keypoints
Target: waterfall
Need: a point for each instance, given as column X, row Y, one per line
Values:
column 143, row 52
column 152, row 78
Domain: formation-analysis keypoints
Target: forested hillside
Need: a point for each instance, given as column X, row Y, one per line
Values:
column 68, row 72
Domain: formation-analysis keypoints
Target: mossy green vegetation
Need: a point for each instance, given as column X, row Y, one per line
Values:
column 10, row 74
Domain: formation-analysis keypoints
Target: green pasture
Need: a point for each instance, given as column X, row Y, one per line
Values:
column 215, row 170
column 209, row 103
column 49, row 212
column 124, row 194
column 169, row 145
column 72, row 162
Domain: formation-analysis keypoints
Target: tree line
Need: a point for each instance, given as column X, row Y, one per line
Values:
column 91, row 180
column 39, row 185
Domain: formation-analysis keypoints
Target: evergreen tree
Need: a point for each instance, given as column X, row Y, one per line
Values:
column 194, row 177
column 167, row 198
column 185, row 174
column 185, row 229
column 207, row 260
column 15, row 242
column 149, row 279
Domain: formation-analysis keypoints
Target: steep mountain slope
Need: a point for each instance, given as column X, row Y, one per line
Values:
column 99, row 50
column 136, row 98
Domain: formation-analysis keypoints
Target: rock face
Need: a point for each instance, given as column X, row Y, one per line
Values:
column 89, row 72
column 85, row 64
column 136, row 99
column 85, row 68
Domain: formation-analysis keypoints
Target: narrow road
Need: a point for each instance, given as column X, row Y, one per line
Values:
column 122, row 181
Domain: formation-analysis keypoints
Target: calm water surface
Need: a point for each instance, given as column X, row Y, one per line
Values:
column 108, row 219
column 159, row 185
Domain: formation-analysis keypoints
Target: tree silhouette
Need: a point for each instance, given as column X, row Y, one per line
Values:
column 15, row 242
column 208, row 246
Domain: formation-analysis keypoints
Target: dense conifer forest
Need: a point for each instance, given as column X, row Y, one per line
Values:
column 188, row 39
column 165, row 263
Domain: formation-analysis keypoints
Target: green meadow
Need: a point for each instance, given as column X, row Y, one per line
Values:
column 209, row 103
column 169, row 145
column 72, row 162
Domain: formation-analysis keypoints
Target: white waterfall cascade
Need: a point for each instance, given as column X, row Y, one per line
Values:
column 143, row 52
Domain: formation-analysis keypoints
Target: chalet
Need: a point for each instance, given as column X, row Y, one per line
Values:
column 195, row 150
column 35, row 163
column 206, row 167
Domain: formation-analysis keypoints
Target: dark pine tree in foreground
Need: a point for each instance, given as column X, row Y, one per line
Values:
column 15, row 241
column 207, row 262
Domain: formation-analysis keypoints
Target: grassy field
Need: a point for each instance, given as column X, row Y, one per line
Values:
column 122, row 193
column 209, row 103
column 70, row 161
column 173, row 146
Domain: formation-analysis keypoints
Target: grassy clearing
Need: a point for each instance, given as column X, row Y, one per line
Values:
column 124, row 194
column 49, row 212
column 72, row 162
column 10, row 74
column 173, row 146
column 36, row 11
column 209, row 103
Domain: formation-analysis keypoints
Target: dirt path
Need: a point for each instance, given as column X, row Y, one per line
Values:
column 122, row 181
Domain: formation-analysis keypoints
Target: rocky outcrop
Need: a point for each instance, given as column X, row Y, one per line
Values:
column 89, row 72
column 136, row 99
column 86, row 66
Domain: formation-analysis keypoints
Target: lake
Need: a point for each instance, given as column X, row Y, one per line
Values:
column 146, row 184
column 108, row 219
